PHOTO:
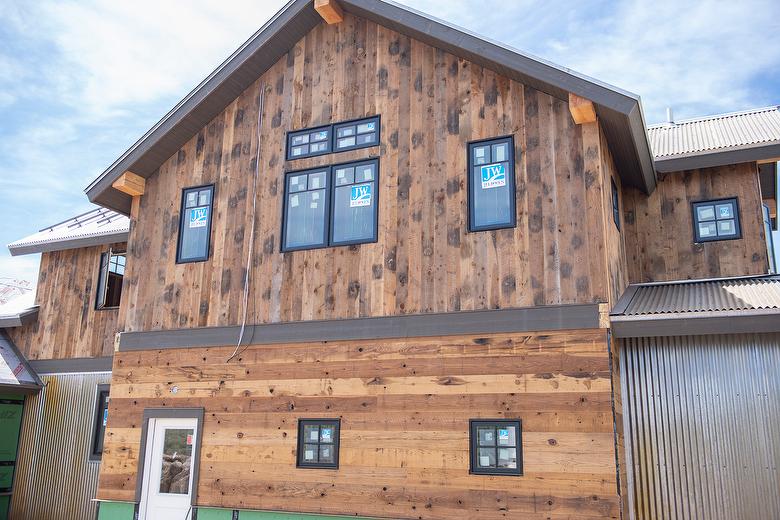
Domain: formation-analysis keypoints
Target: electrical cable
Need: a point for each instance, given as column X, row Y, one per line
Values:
column 252, row 233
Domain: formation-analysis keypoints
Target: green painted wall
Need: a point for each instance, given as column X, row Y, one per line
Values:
column 11, row 408
column 116, row 511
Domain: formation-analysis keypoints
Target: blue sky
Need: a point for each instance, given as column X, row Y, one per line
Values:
column 80, row 81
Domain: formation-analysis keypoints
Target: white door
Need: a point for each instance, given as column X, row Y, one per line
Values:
column 167, row 483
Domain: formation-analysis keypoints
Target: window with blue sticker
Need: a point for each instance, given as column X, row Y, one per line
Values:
column 496, row 447
column 716, row 220
column 331, row 206
column 195, row 224
column 491, row 166
column 356, row 134
column 309, row 142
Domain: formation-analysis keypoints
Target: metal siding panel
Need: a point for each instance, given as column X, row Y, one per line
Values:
column 54, row 478
column 699, row 416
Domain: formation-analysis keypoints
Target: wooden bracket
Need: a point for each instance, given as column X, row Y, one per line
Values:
column 582, row 110
column 330, row 11
column 130, row 183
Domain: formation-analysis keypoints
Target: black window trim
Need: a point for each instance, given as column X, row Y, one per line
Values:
column 205, row 257
column 332, row 137
column 474, row 443
column 285, row 209
column 303, row 421
column 472, row 227
column 97, row 417
column 101, row 293
column 331, row 193
column 615, row 196
column 737, row 219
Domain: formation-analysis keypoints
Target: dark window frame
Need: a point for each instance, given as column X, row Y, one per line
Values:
column 98, row 430
column 285, row 210
column 336, row 423
column 695, row 221
column 615, row 203
column 292, row 133
column 474, row 468
column 355, row 122
column 101, row 291
column 329, row 210
column 182, row 209
column 332, row 129
column 472, row 227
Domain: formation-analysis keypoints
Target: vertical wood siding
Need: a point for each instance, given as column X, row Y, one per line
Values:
column 432, row 104
column 659, row 228
column 404, row 406
column 68, row 325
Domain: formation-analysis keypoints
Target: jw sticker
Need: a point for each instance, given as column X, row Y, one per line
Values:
column 360, row 196
column 493, row 176
column 503, row 435
column 199, row 217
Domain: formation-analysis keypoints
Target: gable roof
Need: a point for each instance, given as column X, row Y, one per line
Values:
column 716, row 140
column 95, row 227
column 620, row 112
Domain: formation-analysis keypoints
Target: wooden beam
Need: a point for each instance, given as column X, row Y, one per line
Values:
column 330, row 11
column 582, row 110
column 130, row 183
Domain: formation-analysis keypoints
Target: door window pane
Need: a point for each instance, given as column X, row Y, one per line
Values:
column 491, row 185
column 176, row 461
column 195, row 224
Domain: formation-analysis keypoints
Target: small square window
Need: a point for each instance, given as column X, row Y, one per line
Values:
column 716, row 220
column 318, row 443
column 491, row 184
column 496, row 447
column 195, row 224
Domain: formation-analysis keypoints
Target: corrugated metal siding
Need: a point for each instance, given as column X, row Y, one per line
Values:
column 701, row 417
column 53, row 477
column 717, row 132
column 718, row 295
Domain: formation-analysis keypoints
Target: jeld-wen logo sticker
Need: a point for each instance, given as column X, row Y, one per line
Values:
column 493, row 176
column 360, row 196
column 199, row 217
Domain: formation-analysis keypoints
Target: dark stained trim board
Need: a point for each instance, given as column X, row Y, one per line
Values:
column 710, row 159
column 72, row 365
column 552, row 317
column 696, row 324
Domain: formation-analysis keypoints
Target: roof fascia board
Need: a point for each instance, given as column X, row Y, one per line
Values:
column 19, row 320
column 710, row 159
column 71, row 243
column 696, row 323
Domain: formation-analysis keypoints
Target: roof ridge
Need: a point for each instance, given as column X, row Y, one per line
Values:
column 712, row 117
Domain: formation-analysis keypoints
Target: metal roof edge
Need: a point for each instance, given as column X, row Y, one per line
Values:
column 69, row 243
column 25, row 387
column 696, row 323
column 712, row 117
column 721, row 157
column 19, row 319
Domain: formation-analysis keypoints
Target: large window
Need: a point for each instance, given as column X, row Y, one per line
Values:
column 109, row 287
column 99, row 423
column 338, row 137
column 331, row 206
column 496, row 447
column 716, row 220
column 491, row 184
column 318, row 443
column 195, row 224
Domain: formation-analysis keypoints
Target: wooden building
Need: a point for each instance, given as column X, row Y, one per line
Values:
column 379, row 267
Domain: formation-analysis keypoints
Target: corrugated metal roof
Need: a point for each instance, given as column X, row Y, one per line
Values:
column 95, row 227
column 715, row 133
column 730, row 294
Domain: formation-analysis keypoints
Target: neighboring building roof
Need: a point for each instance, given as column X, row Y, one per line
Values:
column 620, row 112
column 19, row 311
column 16, row 375
column 719, row 306
column 716, row 140
column 95, row 227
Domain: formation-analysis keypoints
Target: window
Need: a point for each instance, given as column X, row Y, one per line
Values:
column 615, row 204
column 308, row 143
column 356, row 134
column 306, row 209
column 318, row 443
column 496, row 448
column 338, row 137
column 770, row 242
column 331, row 206
column 716, row 220
column 491, row 184
column 109, row 286
column 99, row 423
column 195, row 224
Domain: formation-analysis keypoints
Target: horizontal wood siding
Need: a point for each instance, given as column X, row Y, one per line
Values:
column 68, row 326
column 404, row 406
column 431, row 104
column 659, row 228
